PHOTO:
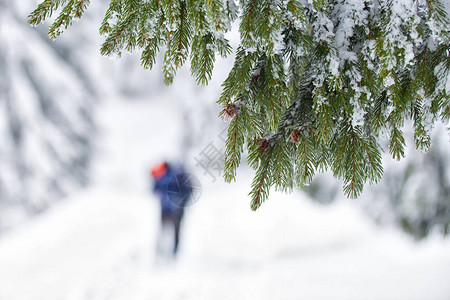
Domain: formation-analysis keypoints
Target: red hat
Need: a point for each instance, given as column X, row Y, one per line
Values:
column 159, row 170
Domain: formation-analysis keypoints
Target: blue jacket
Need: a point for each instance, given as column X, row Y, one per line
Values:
column 174, row 190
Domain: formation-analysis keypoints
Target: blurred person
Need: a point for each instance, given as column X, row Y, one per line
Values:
column 172, row 184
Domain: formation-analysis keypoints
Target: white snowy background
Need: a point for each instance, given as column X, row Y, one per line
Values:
column 99, row 243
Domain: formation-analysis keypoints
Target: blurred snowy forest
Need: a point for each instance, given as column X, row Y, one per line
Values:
column 50, row 94
column 47, row 118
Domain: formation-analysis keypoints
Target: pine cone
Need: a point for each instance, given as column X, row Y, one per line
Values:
column 229, row 112
column 294, row 135
column 264, row 144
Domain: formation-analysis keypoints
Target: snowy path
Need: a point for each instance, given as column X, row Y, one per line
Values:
column 99, row 244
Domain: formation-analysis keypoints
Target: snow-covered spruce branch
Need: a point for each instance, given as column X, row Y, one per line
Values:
column 315, row 84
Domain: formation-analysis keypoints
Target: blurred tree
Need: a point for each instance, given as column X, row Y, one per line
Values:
column 414, row 194
column 315, row 84
column 46, row 119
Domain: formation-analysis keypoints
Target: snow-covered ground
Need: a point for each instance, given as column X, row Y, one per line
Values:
column 100, row 243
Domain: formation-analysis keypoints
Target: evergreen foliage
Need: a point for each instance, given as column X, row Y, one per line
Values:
column 315, row 83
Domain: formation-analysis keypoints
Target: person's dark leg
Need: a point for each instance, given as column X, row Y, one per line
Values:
column 177, row 223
